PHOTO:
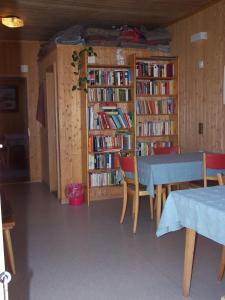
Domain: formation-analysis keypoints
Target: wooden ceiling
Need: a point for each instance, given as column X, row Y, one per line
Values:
column 44, row 18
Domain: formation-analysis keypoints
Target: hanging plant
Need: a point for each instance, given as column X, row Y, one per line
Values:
column 77, row 64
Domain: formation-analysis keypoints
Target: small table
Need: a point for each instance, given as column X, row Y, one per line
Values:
column 168, row 168
column 199, row 210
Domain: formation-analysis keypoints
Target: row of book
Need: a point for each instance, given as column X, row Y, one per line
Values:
column 156, row 87
column 106, row 143
column 103, row 161
column 147, row 148
column 150, row 69
column 110, row 118
column 104, row 179
column 109, row 94
column 109, row 77
column 156, row 128
column 155, row 106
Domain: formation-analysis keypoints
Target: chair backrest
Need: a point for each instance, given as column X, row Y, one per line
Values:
column 128, row 164
column 167, row 150
column 221, row 179
column 215, row 161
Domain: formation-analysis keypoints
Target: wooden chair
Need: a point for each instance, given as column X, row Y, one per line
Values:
column 168, row 150
column 212, row 161
column 131, row 186
column 221, row 180
column 7, row 225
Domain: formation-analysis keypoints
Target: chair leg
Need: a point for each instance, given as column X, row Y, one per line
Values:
column 222, row 264
column 136, row 205
column 164, row 198
column 124, row 203
column 169, row 188
column 8, row 243
column 151, row 208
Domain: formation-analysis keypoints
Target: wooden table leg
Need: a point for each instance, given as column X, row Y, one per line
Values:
column 188, row 260
column 158, row 203
column 222, row 264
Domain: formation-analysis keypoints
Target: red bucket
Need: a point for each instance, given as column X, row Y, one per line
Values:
column 75, row 193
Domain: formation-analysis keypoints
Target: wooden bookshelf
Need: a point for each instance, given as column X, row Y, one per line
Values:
column 156, row 102
column 108, row 126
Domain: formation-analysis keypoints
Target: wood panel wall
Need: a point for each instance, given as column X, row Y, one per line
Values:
column 45, row 65
column 201, row 90
column 13, row 55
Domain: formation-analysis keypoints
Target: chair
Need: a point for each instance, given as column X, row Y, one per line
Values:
column 212, row 161
column 7, row 225
column 131, row 186
column 221, row 180
column 168, row 150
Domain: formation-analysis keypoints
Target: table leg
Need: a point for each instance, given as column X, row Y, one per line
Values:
column 158, row 203
column 188, row 260
column 222, row 264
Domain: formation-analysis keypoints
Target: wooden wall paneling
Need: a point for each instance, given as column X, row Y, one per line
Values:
column 15, row 54
column 84, row 132
column 190, row 86
column 213, row 76
column 58, row 164
column 45, row 65
column 69, row 103
column 200, row 90
column 50, row 98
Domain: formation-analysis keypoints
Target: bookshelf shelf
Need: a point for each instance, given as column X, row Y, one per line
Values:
column 109, row 126
column 154, row 78
column 156, row 103
column 155, row 136
column 100, row 170
column 146, row 115
column 106, row 187
column 105, row 66
column 109, row 86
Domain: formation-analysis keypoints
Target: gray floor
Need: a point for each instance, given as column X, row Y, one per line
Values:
column 65, row 252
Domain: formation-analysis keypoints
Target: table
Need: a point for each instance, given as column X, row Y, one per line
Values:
column 199, row 210
column 168, row 168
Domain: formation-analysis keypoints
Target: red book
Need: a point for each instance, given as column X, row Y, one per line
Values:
column 110, row 122
column 102, row 116
column 152, row 106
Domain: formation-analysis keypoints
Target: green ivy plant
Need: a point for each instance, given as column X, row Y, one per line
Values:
column 77, row 64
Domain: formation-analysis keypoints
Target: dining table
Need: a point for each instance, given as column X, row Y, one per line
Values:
column 201, row 211
column 157, row 170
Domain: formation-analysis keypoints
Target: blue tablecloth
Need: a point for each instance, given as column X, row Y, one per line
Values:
column 169, row 168
column 202, row 210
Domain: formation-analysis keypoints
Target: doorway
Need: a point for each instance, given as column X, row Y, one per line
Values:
column 14, row 140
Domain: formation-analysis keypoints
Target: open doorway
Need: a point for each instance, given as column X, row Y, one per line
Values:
column 14, row 143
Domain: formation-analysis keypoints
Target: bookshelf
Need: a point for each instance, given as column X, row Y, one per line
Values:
column 108, row 126
column 156, row 103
